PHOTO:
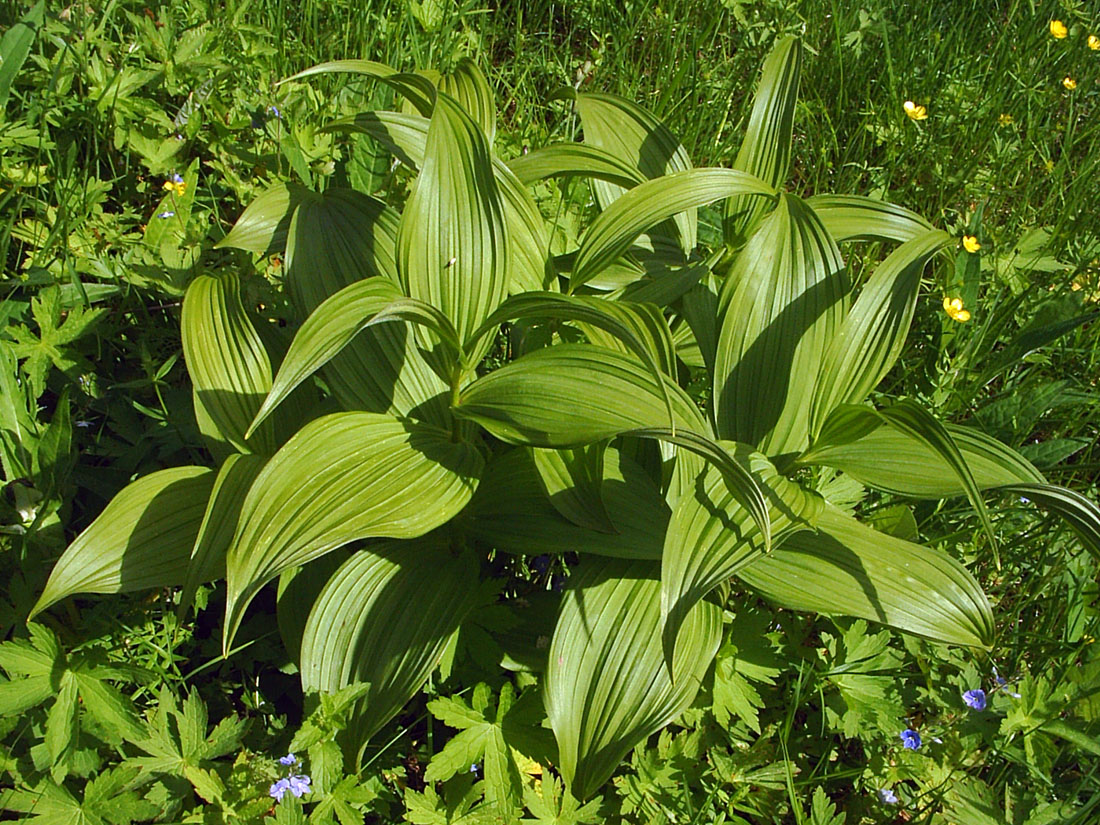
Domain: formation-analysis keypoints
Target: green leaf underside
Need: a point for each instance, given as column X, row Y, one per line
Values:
column 849, row 569
column 141, row 540
column 572, row 160
column 382, row 621
column 263, row 225
column 779, row 308
column 854, row 217
column 607, row 686
column 416, row 89
column 341, row 478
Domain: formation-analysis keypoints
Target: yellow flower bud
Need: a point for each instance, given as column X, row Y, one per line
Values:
column 1094, row 43
column 1069, row 83
column 1058, row 29
column 915, row 111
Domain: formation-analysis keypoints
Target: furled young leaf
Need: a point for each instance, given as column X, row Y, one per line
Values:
column 573, row 482
column 227, row 362
column 452, row 249
column 848, row 569
column 871, row 337
column 142, row 539
column 766, row 149
column 854, row 217
column 630, row 133
column 344, row 477
column 263, row 225
column 780, row 307
column 336, row 322
column 607, row 685
column 469, row 88
column 649, row 203
column 343, row 238
column 384, row 618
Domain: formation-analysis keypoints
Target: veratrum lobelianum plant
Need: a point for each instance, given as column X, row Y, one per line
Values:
column 586, row 441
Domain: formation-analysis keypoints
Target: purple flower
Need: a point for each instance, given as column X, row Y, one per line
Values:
column 177, row 178
column 271, row 110
column 289, row 759
column 887, row 796
column 279, row 788
column 298, row 784
column 910, row 739
column 975, row 699
column 168, row 214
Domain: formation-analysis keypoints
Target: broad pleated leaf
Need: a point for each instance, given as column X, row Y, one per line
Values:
column 567, row 160
column 607, row 685
column 451, row 245
column 766, row 149
column 341, row 239
column 227, row 362
column 142, row 539
column 263, row 225
column 780, row 307
column 573, row 482
column 469, row 88
column 336, row 322
column 629, row 132
column 649, row 203
column 711, row 535
column 854, row 217
column 1081, row 514
column 384, row 618
column 847, row 569
column 344, row 477
column 511, row 512
column 219, row 523
column 871, row 337
column 571, row 395
column 415, row 88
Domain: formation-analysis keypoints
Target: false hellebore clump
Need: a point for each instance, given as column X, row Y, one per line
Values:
column 420, row 460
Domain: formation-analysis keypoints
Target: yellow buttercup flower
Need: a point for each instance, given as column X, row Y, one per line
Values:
column 1069, row 83
column 1005, row 119
column 1058, row 29
column 954, row 308
column 1094, row 43
column 914, row 111
column 970, row 243
column 176, row 185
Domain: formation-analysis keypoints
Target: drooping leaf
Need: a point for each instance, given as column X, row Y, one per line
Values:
column 566, row 160
column 227, row 362
column 415, row 88
column 871, row 337
column 1081, row 514
column 142, row 539
column 649, row 203
column 344, row 477
column 263, row 225
column 780, row 307
column 766, row 149
column 848, row 569
column 452, row 249
column 384, row 619
column 607, row 686
column 854, row 217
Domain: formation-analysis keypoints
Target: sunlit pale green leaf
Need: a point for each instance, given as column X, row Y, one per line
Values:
column 566, row 160
column 263, row 225
column 854, row 217
column 470, row 89
column 417, row 89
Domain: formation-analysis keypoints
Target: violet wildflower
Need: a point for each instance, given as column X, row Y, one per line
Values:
column 298, row 784
column 289, row 759
column 910, row 739
column 975, row 699
column 279, row 788
column 887, row 796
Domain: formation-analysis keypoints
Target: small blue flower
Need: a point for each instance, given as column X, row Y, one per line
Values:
column 887, row 796
column 298, row 784
column 271, row 110
column 176, row 178
column 289, row 759
column 975, row 699
column 278, row 789
column 473, row 768
column 168, row 214
column 910, row 739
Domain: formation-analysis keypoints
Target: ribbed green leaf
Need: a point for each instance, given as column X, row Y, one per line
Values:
column 571, row 395
column 341, row 478
column 607, row 686
column 871, row 337
column 227, row 362
column 384, row 618
column 649, row 203
column 468, row 86
column 142, row 539
column 854, row 217
column 219, row 523
column 711, row 535
column 451, row 246
column 848, row 569
column 566, row 160
column 263, row 225
column 780, row 307
column 338, row 240
column 16, row 46
column 511, row 512
column 629, row 132
column 766, row 149
column 336, row 322
column 417, row 89
column 1081, row 514
column 573, row 482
